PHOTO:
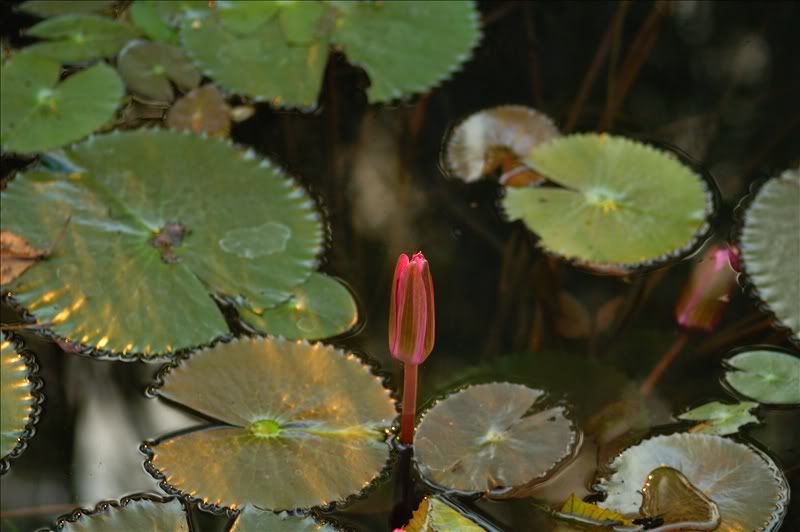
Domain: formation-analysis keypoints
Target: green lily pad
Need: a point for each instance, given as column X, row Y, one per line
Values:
column 749, row 490
column 77, row 38
column 20, row 404
column 149, row 18
column 301, row 21
column 768, row 376
column 770, row 247
column 251, row 519
column 433, row 515
column 203, row 110
column 304, row 425
column 53, row 8
column 619, row 203
column 719, row 418
column 377, row 37
column 492, row 436
column 246, row 17
column 40, row 113
column 148, row 68
column 320, row 308
column 137, row 512
column 152, row 237
column 262, row 64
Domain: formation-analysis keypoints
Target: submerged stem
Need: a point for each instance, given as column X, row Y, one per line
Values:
column 409, row 409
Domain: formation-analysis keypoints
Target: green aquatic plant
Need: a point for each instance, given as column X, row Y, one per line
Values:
column 767, row 375
column 20, row 401
column 720, row 418
column 321, row 307
column 770, row 247
column 617, row 202
column 151, row 240
column 490, row 437
column 78, row 38
column 435, row 515
column 39, row 112
column 53, row 8
column 250, row 519
column 136, row 512
column 301, row 425
column 150, row 68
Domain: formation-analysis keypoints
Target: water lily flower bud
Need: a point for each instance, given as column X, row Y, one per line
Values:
column 411, row 311
column 709, row 288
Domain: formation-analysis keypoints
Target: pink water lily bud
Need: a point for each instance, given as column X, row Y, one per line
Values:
column 709, row 289
column 411, row 312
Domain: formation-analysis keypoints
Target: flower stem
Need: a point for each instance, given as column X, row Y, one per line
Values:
column 409, row 410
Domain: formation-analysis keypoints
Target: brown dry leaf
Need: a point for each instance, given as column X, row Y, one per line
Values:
column 668, row 494
column 16, row 256
column 203, row 110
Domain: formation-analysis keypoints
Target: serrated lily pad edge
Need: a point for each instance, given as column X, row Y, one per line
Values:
column 713, row 200
column 743, row 278
column 506, row 491
column 741, row 396
column 152, row 392
column 325, row 237
column 114, row 504
column 37, row 392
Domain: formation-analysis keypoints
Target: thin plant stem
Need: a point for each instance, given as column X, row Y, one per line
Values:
column 408, row 415
column 663, row 364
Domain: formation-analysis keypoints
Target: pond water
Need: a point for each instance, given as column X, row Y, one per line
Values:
column 718, row 81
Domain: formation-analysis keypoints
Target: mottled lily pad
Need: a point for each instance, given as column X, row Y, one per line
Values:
column 768, row 376
column 668, row 495
column 492, row 436
column 137, row 512
column 152, row 239
column 749, row 490
column 53, row 8
column 433, row 515
column 40, row 113
column 618, row 203
column 20, row 401
column 720, row 418
column 251, row 519
column 770, row 247
column 303, row 425
column 204, row 110
column 320, row 308
column 148, row 69
column 479, row 146
column 376, row 36
column 76, row 38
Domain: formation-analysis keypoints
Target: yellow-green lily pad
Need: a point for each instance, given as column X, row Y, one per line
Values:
column 720, row 418
column 133, row 513
column 303, row 425
column 251, row 519
column 39, row 112
column 77, row 38
column 490, row 437
column 152, row 239
column 770, row 247
column 765, row 375
column 433, row 515
column 320, row 308
column 53, row 8
column 616, row 202
column 150, row 68
column 20, row 401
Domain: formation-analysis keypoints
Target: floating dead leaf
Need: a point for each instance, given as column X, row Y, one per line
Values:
column 577, row 511
column 17, row 256
column 203, row 110
column 668, row 494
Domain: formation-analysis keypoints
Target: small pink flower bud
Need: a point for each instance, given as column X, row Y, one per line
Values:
column 411, row 312
column 709, row 288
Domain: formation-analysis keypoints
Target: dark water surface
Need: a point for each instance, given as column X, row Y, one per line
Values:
column 721, row 82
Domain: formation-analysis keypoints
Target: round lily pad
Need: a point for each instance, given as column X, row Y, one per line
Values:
column 40, row 113
column 204, row 110
column 20, row 401
column 320, row 308
column 148, row 16
column 477, row 145
column 433, row 515
column 768, row 376
column 719, row 418
column 749, row 490
column 148, row 69
column 770, row 247
column 303, row 425
column 492, row 436
column 251, row 519
column 52, row 8
column 152, row 237
column 261, row 64
column 377, row 37
column 616, row 202
column 137, row 512
column 246, row 17
column 77, row 38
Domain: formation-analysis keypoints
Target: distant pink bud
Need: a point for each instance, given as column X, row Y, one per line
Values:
column 411, row 312
column 709, row 289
